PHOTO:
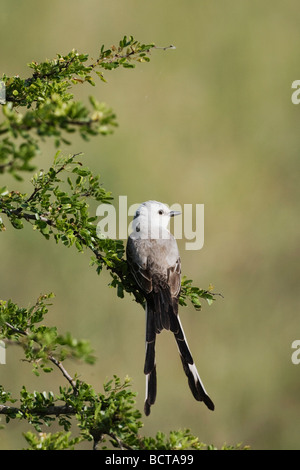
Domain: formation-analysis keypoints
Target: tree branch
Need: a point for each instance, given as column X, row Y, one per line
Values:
column 51, row 410
column 63, row 371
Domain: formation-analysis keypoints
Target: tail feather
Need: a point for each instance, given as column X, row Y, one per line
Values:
column 195, row 383
column 150, row 367
column 151, row 387
column 149, row 357
column 161, row 307
column 161, row 313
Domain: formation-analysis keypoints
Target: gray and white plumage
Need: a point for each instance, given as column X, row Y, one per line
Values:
column 154, row 260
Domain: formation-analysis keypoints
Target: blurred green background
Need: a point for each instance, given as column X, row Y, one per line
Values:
column 211, row 122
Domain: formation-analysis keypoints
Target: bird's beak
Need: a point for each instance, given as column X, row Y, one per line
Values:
column 173, row 213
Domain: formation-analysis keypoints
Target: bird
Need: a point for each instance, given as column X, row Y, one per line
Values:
column 153, row 258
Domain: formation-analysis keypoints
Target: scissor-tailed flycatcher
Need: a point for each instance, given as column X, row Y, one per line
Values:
column 154, row 260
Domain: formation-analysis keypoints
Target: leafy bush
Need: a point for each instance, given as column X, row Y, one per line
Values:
column 39, row 107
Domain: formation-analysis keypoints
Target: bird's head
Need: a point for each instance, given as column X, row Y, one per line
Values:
column 152, row 218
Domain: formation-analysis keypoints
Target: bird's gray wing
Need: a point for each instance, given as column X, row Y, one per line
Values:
column 137, row 261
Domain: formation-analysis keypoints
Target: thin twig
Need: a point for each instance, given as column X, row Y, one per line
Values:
column 16, row 330
column 51, row 358
column 63, row 371
column 166, row 47
column 121, row 444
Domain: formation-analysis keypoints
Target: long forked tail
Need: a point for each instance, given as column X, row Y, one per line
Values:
column 156, row 320
column 195, row 383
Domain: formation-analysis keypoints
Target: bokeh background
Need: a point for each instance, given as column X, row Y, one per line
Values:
column 211, row 122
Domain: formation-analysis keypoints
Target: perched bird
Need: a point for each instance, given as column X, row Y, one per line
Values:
column 153, row 258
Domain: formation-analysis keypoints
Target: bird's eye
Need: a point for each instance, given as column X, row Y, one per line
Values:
column 160, row 212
